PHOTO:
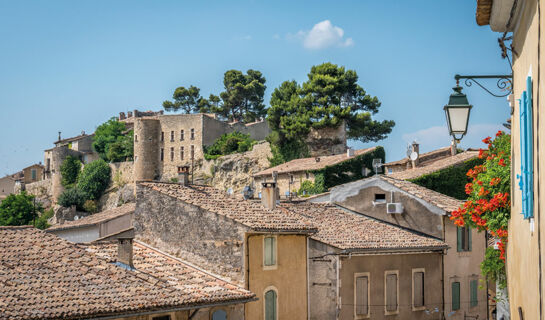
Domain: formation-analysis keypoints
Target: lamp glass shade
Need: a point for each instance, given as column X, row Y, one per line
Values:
column 457, row 113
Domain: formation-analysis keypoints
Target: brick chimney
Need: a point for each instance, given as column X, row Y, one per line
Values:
column 183, row 175
column 269, row 194
column 124, row 251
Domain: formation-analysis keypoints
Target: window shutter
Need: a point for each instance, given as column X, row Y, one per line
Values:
column 391, row 292
column 468, row 230
column 473, row 293
column 456, row 296
column 418, row 289
column 459, row 238
column 270, row 305
column 526, row 177
column 361, row 295
column 269, row 252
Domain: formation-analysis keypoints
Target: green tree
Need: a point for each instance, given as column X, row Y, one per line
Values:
column 94, row 179
column 41, row 222
column 187, row 99
column 70, row 169
column 19, row 209
column 112, row 135
column 229, row 143
column 72, row 197
column 243, row 96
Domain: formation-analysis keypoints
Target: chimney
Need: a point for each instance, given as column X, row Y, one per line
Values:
column 453, row 148
column 124, row 251
column 416, row 148
column 59, row 136
column 129, row 114
column 183, row 175
column 317, row 159
column 269, row 194
column 349, row 152
column 122, row 116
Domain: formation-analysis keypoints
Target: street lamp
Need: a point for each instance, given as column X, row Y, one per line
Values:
column 457, row 112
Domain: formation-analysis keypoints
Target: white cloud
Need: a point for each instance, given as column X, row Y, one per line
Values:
column 323, row 35
column 276, row 36
column 437, row 137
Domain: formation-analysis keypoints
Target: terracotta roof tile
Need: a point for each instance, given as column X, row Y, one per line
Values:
column 423, row 157
column 45, row 277
column 96, row 218
column 347, row 230
column 249, row 213
column 433, row 166
column 308, row 164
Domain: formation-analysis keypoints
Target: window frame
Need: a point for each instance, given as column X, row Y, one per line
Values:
column 171, row 154
column 182, row 153
column 356, row 276
column 386, row 273
column 275, row 252
column 192, row 137
column 162, row 136
column 182, row 135
column 460, row 237
column 162, row 154
column 192, row 152
column 267, row 289
column 172, row 136
column 417, row 270
column 214, row 310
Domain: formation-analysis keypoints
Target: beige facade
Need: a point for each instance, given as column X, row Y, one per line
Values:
column 33, row 173
column 7, row 186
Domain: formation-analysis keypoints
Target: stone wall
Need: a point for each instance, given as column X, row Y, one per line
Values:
column 41, row 189
column 327, row 141
column 122, row 172
column 322, row 270
column 209, row 240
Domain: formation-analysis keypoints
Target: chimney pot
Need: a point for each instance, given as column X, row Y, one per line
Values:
column 122, row 116
column 183, row 175
column 269, row 194
column 124, row 251
column 317, row 159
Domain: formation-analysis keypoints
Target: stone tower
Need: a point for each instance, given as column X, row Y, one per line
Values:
column 146, row 149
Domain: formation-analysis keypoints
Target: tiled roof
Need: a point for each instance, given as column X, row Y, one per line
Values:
column 482, row 14
column 81, row 136
column 96, row 218
column 309, row 164
column 45, row 277
column 440, row 200
column 423, row 157
column 433, row 166
column 249, row 213
column 351, row 231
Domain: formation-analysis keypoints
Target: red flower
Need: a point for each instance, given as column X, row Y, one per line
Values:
column 499, row 133
column 469, row 188
column 502, row 162
column 487, row 140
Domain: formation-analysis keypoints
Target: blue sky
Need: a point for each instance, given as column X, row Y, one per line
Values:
column 70, row 65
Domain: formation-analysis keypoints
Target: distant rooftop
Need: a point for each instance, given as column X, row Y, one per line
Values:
column 96, row 218
column 434, row 166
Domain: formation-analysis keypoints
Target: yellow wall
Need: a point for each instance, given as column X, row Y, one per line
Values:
column 523, row 266
column 289, row 278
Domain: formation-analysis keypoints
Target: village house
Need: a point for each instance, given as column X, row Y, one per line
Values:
column 46, row 277
column 289, row 176
column 109, row 224
column 413, row 207
column 525, row 257
column 7, row 186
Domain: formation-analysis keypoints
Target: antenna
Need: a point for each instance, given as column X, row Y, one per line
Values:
column 377, row 164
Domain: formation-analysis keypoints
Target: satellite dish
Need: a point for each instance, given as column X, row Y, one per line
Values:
column 413, row 156
column 377, row 165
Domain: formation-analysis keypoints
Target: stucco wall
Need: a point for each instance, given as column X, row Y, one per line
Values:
column 283, row 182
column 210, row 241
column 234, row 312
column 115, row 225
column 79, row 235
column 7, row 186
column 288, row 278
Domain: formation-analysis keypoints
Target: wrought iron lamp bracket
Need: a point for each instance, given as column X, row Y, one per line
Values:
column 505, row 82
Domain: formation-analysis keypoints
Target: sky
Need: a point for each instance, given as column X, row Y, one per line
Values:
column 70, row 65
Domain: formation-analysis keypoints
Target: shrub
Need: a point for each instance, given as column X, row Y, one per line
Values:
column 18, row 209
column 72, row 197
column 227, row 144
column 70, row 169
column 90, row 206
column 111, row 141
column 307, row 188
column 41, row 222
column 94, row 179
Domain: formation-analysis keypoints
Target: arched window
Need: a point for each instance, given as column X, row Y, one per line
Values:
column 219, row 315
column 270, row 305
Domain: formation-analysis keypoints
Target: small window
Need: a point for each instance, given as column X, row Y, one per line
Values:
column 135, row 138
column 33, row 173
column 181, row 135
column 162, row 154
column 307, row 175
column 473, row 286
column 464, row 239
column 269, row 251
column 181, row 153
column 391, row 292
column 192, row 152
column 171, row 136
column 219, row 315
column 270, row 305
column 362, row 295
column 171, row 153
column 161, row 318
column 380, row 197
column 162, row 136
column 192, row 134
column 455, row 296
column 418, row 288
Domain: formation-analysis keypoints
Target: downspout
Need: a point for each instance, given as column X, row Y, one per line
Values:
column 443, row 269
column 337, row 288
column 308, row 280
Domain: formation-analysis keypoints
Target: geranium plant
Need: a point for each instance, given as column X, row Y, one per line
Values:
column 488, row 206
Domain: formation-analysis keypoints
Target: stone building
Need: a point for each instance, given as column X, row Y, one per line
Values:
column 162, row 143
column 33, row 173
column 412, row 207
column 525, row 246
column 327, row 141
column 7, row 186
column 46, row 277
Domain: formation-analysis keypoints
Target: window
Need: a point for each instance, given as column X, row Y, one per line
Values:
column 219, row 315
column 418, row 289
column 269, row 251
column 33, row 174
column 48, row 164
column 270, row 305
column 192, row 134
column 526, row 177
column 307, row 175
column 135, row 138
column 162, row 136
column 473, row 286
column 161, row 318
column 464, row 239
column 455, row 296
column 361, row 295
column 162, row 154
column 192, row 152
column 171, row 136
column 391, row 288
column 181, row 153
column 380, row 197
column 171, row 153
column 181, row 135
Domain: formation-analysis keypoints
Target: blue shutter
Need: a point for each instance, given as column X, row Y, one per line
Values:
column 526, row 177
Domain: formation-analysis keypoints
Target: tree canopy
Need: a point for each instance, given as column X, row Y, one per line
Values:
column 187, row 99
column 243, row 96
column 111, row 141
column 18, row 210
column 70, row 169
